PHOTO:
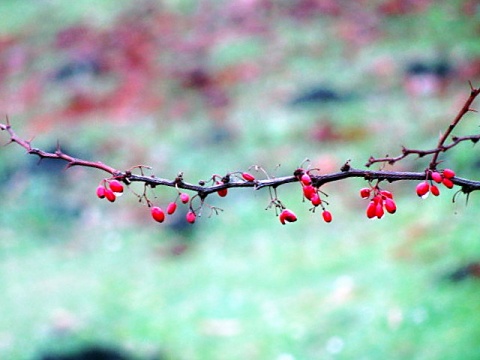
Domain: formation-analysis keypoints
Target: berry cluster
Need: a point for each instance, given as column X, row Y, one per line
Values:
column 380, row 201
column 312, row 193
column 110, row 189
column 425, row 187
column 159, row 215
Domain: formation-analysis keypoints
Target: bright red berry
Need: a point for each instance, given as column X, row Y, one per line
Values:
column 448, row 183
column 191, row 217
column 448, row 173
column 434, row 190
column 316, row 200
column 379, row 210
column 116, row 186
column 437, row 177
column 101, row 191
column 184, row 198
column 327, row 216
column 287, row 216
column 422, row 189
column 371, row 209
column 390, row 206
column 309, row 191
column 157, row 214
column 365, row 193
column 306, row 179
column 109, row 194
column 171, row 208
column 248, row 177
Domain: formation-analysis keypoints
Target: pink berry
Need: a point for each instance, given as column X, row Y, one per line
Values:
column 191, row 217
column 437, row 177
column 448, row 183
column 171, row 208
column 327, row 216
column 116, row 186
column 109, row 195
column 248, row 177
column 365, row 193
column 184, row 198
column 434, row 190
column 306, row 179
column 157, row 214
column 101, row 192
column 422, row 189
column 448, row 173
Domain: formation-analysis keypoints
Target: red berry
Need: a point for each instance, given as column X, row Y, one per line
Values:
column 248, row 177
column 316, row 200
column 157, row 214
column 434, row 190
column 448, row 183
column 171, row 208
column 306, row 179
column 191, row 217
column 437, row 177
column 288, row 216
column 379, row 210
column 184, row 198
column 386, row 194
column 100, row 192
column 327, row 216
column 222, row 192
column 371, row 209
column 109, row 195
column 116, row 186
column 390, row 206
column 448, row 173
column 365, row 193
column 309, row 191
column 422, row 189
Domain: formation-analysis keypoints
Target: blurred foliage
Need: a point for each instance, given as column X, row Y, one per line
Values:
column 211, row 87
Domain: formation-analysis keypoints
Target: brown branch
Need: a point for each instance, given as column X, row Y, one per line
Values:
column 441, row 147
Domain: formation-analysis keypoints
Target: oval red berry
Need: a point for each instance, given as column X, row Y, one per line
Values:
column 101, row 192
column 327, row 216
column 184, row 198
column 171, row 208
column 191, row 217
column 157, row 214
column 248, row 177
column 365, row 193
column 109, row 195
column 116, row 186
column 448, row 173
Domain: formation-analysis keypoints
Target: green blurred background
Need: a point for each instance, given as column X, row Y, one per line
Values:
column 209, row 87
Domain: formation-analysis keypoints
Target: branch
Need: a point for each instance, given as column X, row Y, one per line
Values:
column 309, row 179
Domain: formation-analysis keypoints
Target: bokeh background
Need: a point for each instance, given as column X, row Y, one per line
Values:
column 205, row 87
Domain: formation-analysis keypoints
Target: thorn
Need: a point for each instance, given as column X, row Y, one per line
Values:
column 472, row 110
column 471, row 86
